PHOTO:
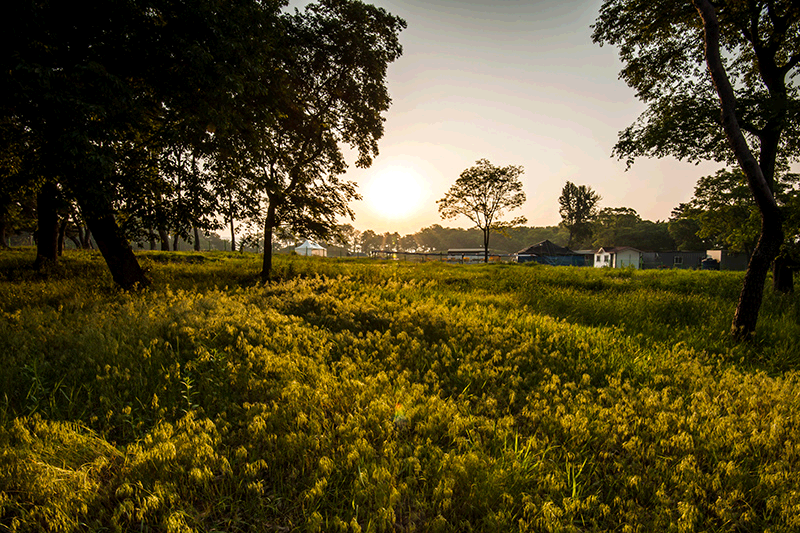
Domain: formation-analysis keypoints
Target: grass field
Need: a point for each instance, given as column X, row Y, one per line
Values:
column 386, row 396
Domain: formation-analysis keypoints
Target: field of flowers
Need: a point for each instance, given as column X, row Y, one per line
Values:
column 386, row 396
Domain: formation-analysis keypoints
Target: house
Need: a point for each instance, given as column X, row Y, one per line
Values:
column 618, row 257
column 547, row 253
column 682, row 259
column 311, row 248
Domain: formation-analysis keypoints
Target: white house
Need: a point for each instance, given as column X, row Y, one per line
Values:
column 311, row 248
column 620, row 257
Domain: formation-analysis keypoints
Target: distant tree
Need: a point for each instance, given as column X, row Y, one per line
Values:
column 408, row 243
column 724, row 211
column 684, row 229
column 649, row 236
column 347, row 237
column 370, row 241
column 612, row 223
column 483, row 193
column 578, row 208
column 742, row 108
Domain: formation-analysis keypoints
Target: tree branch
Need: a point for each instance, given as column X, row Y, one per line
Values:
column 755, row 177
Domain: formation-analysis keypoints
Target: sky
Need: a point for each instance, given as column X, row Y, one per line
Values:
column 517, row 82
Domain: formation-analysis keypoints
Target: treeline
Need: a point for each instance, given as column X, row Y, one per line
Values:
column 612, row 227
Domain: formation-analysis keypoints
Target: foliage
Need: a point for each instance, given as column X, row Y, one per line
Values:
column 622, row 226
column 381, row 396
column 483, row 193
column 578, row 208
column 719, row 82
column 171, row 117
column 661, row 48
column 333, row 61
column 725, row 215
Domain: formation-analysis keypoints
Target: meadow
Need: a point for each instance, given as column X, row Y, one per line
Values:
column 357, row 395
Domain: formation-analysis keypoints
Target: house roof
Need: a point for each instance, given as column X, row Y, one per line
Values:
column 545, row 248
column 617, row 249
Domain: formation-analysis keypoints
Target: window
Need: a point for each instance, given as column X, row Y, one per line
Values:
column 677, row 260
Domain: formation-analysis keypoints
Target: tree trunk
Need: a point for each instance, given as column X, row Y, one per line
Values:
column 121, row 261
column 233, row 236
column 62, row 230
column 75, row 240
column 486, row 245
column 152, row 236
column 175, row 243
column 196, row 239
column 269, row 225
column 164, row 236
column 47, row 227
column 771, row 238
column 782, row 275
column 768, row 247
column 86, row 239
column 4, row 227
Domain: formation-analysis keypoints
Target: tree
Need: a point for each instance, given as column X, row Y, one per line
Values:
column 333, row 64
column 684, row 229
column 370, row 241
column 483, row 193
column 718, row 81
column 348, row 237
column 578, row 207
column 724, row 212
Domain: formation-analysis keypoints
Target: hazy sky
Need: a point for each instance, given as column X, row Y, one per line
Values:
column 516, row 82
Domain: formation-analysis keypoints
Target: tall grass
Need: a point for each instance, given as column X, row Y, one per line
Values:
column 355, row 395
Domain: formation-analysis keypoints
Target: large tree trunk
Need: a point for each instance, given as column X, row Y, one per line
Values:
column 47, row 227
column 768, row 247
column 152, row 236
column 269, row 225
column 119, row 256
column 164, row 237
column 782, row 275
column 196, row 239
column 86, row 238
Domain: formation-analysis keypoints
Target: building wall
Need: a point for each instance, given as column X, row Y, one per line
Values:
column 684, row 260
column 628, row 258
column 604, row 260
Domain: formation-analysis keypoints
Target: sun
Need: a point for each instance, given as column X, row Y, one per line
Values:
column 395, row 192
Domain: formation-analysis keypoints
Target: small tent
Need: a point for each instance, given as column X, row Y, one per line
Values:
column 311, row 248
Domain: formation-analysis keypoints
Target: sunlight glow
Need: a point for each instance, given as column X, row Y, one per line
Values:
column 395, row 192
